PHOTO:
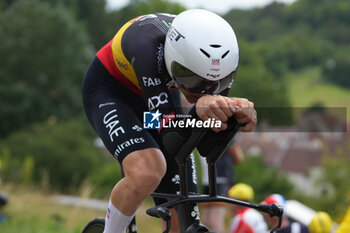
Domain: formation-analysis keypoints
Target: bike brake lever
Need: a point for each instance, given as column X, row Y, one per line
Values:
column 163, row 213
column 168, row 224
column 278, row 226
column 159, row 212
column 276, row 210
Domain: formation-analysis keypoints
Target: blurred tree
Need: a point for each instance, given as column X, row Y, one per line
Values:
column 302, row 28
column 261, row 86
column 56, row 149
column 44, row 53
column 335, row 174
column 104, row 177
column 96, row 20
column 336, row 70
column 141, row 7
column 92, row 14
column 260, row 23
column 274, row 58
column 322, row 15
column 102, row 23
column 7, row 3
column 302, row 49
column 241, row 23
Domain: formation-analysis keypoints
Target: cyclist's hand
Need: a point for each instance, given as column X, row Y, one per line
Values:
column 216, row 107
column 244, row 113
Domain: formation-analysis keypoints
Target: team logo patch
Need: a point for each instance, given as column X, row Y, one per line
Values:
column 176, row 179
column 137, row 128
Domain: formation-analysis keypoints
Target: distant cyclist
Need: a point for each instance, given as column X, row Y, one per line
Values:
column 195, row 52
column 287, row 226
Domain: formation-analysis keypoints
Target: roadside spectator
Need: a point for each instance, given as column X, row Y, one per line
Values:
column 245, row 220
column 344, row 226
column 321, row 223
column 3, row 202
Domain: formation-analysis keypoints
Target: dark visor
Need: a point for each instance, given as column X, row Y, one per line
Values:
column 196, row 84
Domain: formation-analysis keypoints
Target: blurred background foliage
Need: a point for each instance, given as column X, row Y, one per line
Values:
column 46, row 46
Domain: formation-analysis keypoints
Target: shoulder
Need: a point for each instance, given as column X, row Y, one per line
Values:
column 145, row 37
column 150, row 26
column 166, row 19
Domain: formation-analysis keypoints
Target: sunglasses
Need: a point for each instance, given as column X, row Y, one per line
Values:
column 196, row 84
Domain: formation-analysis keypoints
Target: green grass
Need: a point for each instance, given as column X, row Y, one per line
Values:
column 307, row 88
column 34, row 211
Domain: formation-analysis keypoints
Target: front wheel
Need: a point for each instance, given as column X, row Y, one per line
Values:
column 96, row 225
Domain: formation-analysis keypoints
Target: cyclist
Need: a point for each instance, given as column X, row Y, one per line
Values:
column 286, row 226
column 195, row 52
column 245, row 220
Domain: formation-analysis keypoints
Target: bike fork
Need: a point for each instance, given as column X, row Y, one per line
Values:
column 189, row 221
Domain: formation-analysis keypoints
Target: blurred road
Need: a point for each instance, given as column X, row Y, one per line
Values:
column 78, row 201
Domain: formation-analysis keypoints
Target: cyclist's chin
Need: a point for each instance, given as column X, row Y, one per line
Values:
column 191, row 97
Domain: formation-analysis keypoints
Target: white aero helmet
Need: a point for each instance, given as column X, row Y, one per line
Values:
column 201, row 52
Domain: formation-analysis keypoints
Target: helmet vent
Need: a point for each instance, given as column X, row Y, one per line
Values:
column 224, row 55
column 215, row 45
column 205, row 53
